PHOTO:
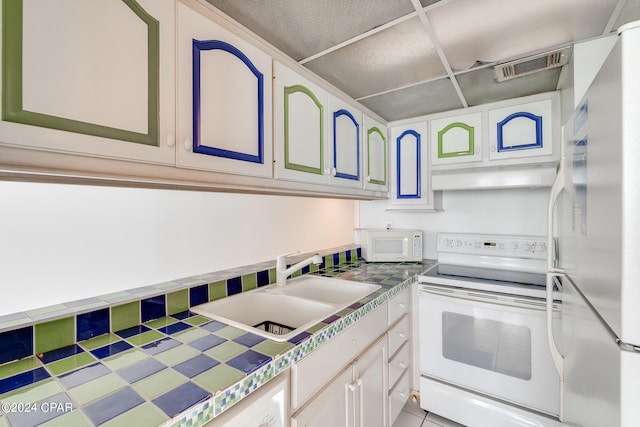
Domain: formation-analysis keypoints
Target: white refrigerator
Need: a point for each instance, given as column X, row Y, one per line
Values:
column 594, row 215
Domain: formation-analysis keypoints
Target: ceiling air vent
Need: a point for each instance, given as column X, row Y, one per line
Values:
column 531, row 64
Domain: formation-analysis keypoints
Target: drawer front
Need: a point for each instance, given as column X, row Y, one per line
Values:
column 318, row 368
column 399, row 364
column 399, row 305
column 399, row 334
column 398, row 396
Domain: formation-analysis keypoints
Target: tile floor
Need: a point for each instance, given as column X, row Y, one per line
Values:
column 414, row 416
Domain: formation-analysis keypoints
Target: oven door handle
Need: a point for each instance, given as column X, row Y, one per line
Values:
column 556, row 356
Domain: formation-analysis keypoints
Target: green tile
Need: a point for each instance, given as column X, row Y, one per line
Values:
column 160, row 383
column 226, row 351
column 344, row 312
column 163, row 321
column 70, row 363
column 190, row 334
column 196, row 320
column 229, row 332
column 99, row 341
column 125, row 316
column 177, row 302
column 145, row 415
column 34, row 393
column 145, row 337
column 74, row 418
column 315, row 328
column 272, row 348
column 177, row 355
column 272, row 275
column 217, row 290
column 313, row 268
column 13, row 368
column 95, row 389
column 121, row 360
column 249, row 282
column 218, row 378
column 55, row 334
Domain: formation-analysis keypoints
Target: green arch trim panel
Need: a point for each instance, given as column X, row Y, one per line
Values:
column 289, row 90
column 12, row 106
column 384, row 140
column 470, row 133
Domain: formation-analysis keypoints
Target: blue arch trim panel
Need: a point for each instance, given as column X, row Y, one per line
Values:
column 204, row 45
column 418, row 192
column 536, row 144
column 339, row 174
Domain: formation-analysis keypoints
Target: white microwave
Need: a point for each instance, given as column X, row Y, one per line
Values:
column 391, row 245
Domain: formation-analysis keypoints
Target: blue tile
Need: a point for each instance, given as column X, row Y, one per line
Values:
column 101, row 411
column 331, row 319
column 249, row 339
column 355, row 305
column 111, row 349
column 207, row 342
column 15, row 345
column 153, row 308
column 174, row 327
column 299, row 338
column 83, row 375
column 305, row 269
column 61, row 353
column 92, row 324
column 141, row 370
column 183, row 315
column 161, row 345
column 359, row 252
column 249, row 361
column 180, row 398
column 22, row 379
column 198, row 295
column 336, row 258
column 196, row 365
column 42, row 411
column 234, row 286
column 348, row 254
column 262, row 277
column 134, row 330
column 213, row 326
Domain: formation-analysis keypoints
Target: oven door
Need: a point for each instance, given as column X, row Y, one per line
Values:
column 490, row 344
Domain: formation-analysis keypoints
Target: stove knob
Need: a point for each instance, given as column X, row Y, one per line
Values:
column 458, row 243
column 528, row 247
column 514, row 246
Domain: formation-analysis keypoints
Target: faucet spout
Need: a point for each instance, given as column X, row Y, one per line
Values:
column 282, row 272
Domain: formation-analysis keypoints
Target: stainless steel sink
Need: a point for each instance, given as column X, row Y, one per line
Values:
column 282, row 312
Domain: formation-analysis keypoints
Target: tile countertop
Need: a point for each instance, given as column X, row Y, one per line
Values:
column 179, row 370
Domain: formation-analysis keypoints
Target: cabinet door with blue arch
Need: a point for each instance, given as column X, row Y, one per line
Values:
column 345, row 146
column 300, row 127
column 456, row 139
column 89, row 78
column 521, row 131
column 224, row 97
column 376, row 151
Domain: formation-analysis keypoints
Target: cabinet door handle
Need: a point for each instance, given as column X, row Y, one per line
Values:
column 402, row 365
column 171, row 139
column 401, row 305
column 188, row 143
column 402, row 335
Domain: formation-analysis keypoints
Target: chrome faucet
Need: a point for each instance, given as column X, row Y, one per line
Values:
column 282, row 272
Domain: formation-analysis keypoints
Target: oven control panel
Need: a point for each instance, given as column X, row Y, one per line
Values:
column 492, row 245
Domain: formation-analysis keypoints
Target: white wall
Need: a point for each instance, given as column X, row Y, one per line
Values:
column 60, row 243
column 521, row 211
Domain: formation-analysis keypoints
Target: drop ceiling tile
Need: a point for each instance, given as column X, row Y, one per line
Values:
column 630, row 12
column 426, row 98
column 398, row 56
column 303, row 28
column 480, row 86
column 471, row 30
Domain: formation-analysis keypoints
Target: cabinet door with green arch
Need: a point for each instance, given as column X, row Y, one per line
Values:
column 376, row 147
column 300, row 127
column 456, row 139
column 90, row 78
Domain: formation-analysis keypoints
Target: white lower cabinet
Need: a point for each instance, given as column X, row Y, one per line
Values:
column 400, row 355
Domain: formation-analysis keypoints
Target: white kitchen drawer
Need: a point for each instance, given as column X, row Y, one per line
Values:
column 399, row 334
column 398, row 396
column 314, row 371
column 399, row 363
column 399, row 305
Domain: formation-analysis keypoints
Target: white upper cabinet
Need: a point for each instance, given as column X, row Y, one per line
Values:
column 345, row 147
column 94, row 78
column 456, row 139
column 300, row 127
column 224, row 98
column 376, row 147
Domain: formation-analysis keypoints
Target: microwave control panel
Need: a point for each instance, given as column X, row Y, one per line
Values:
column 504, row 246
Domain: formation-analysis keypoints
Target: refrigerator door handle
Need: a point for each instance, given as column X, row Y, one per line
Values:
column 556, row 189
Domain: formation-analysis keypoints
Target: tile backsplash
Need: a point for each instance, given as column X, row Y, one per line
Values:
column 52, row 332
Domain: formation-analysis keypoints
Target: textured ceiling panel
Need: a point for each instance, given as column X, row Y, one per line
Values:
column 396, row 57
column 630, row 12
column 480, row 86
column 494, row 30
column 426, row 98
column 303, row 28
